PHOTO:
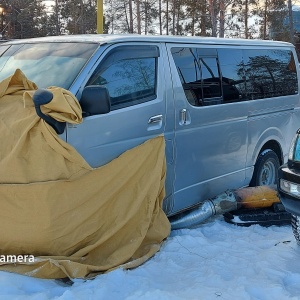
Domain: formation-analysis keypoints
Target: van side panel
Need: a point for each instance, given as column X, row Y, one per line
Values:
column 229, row 103
column 271, row 73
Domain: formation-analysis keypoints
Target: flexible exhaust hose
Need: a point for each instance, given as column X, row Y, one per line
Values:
column 194, row 217
column 219, row 205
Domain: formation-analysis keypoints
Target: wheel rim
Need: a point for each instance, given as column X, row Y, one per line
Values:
column 268, row 173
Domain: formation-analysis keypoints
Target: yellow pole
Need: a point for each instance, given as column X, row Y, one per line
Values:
column 99, row 16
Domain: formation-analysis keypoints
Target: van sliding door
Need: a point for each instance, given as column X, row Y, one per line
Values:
column 211, row 123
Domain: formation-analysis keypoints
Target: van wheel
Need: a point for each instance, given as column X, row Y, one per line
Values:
column 265, row 169
column 296, row 227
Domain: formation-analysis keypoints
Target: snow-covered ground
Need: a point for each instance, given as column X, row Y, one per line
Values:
column 216, row 260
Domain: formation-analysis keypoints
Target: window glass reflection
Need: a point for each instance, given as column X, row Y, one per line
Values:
column 129, row 81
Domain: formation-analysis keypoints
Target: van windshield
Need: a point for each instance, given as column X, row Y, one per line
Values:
column 46, row 64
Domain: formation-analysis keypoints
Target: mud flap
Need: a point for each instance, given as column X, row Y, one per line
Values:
column 274, row 215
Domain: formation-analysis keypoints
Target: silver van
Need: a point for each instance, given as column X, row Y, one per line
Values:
column 228, row 108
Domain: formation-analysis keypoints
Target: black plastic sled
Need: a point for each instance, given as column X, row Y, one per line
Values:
column 274, row 215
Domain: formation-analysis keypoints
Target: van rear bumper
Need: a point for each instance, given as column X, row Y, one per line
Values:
column 289, row 200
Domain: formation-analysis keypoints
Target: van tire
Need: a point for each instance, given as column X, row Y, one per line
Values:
column 296, row 227
column 265, row 169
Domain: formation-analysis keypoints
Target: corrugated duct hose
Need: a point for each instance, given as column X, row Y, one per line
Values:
column 251, row 197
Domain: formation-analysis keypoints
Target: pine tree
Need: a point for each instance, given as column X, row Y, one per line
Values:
column 78, row 15
column 242, row 11
column 273, row 14
column 24, row 19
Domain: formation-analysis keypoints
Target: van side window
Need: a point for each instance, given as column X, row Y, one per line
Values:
column 199, row 74
column 233, row 79
column 211, row 83
column 129, row 73
column 241, row 74
column 269, row 73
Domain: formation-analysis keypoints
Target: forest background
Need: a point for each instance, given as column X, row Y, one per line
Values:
column 263, row 19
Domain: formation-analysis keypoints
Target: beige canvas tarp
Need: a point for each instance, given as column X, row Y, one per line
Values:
column 76, row 221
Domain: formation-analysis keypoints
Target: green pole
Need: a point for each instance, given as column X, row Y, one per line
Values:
column 99, row 16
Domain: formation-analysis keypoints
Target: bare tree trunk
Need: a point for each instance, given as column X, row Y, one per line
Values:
column 213, row 18
column 203, row 19
column 112, row 22
column 291, row 22
column 167, row 18
column 222, row 19
column 126, row 17
column 177, row 19
column 56, row 10
column 193, row 23
column 265, row 21
column 159, row 15
column 138, row 17
column 130, row 17
column 246, row 19
column 146, row 15
column 74, row 19
column 174, row 15
column 82, row 25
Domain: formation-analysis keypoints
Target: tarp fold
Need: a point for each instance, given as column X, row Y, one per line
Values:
column 77, row 221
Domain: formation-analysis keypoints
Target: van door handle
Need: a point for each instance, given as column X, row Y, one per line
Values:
column 185, row 118
column 155, row 119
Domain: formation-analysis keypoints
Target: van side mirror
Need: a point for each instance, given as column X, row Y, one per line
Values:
column 95, row 100
column 42, row 97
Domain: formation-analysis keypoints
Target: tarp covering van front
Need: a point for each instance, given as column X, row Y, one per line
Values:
column 75, row 220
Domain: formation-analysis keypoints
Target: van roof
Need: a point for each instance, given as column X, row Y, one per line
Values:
column 117, row 38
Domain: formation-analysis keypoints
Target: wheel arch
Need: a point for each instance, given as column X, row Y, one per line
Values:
column 265, row 167
column 271, row 138
column 272, row 145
